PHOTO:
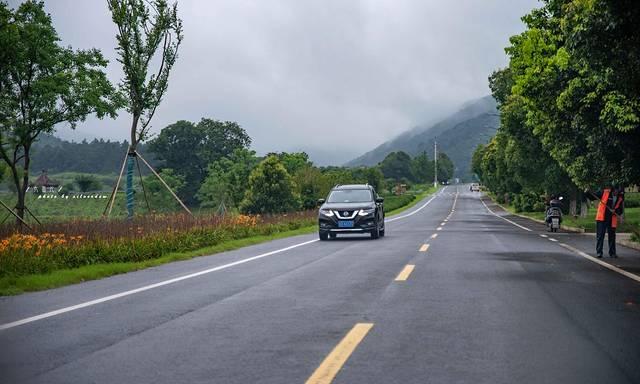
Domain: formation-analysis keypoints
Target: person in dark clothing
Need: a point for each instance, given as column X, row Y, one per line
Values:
column 610, row 208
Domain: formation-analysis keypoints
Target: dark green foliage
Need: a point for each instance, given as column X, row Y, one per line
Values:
column 159, row 198
column 396, row 166
column 422, row 168
column 445, row 167
column 43, row 84
column 293, row 161
column 227, row 180
column 570, row 116
column 528, row 202
column 270, row 189
column 96, row 156
column 392, row 202
column 190, row 148
column 87, row 183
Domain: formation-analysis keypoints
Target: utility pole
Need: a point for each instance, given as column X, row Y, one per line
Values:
column 435, row 163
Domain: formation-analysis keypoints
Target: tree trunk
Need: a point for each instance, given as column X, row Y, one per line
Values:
column 573, row 203
column 22, row 188
column 130, row 164
column 583, row 208
column 130, row 193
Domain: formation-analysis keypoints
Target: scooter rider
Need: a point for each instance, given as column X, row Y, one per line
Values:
column 610, row 208
column 554, row 209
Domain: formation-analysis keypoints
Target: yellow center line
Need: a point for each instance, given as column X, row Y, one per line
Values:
column 424, row 247
column 406, row 271
column 332, row 364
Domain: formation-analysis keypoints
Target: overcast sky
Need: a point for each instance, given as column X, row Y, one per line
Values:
column 334, row 78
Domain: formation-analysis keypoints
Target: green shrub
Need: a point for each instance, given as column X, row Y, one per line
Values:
column 393, row 202
column 527, row 202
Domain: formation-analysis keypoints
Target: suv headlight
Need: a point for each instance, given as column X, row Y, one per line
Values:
column 367, row 212
column 326, row 212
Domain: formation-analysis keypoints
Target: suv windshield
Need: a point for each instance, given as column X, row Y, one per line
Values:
column 350, row 196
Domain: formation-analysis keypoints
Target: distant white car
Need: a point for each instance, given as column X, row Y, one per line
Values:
column 475, row 187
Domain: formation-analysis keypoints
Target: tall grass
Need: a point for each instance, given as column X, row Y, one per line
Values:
column 75, row 243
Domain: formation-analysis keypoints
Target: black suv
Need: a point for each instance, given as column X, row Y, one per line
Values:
column 351, row 209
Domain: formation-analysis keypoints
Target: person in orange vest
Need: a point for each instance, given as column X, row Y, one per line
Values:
column 609, row 210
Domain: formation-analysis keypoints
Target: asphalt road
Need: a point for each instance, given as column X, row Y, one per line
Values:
column 485, row 300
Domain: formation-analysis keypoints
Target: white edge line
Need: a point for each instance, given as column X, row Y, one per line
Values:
column 504, row 218
column 146, row 287
column 177, row 279
column 602, row 263
column 417, row 210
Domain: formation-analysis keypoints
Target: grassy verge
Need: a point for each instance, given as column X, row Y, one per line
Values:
column 417, row 198
column 13, row 285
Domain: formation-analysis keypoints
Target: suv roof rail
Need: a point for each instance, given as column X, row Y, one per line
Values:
column 336, row 186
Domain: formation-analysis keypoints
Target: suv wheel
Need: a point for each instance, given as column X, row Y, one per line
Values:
column 323, row 235
column 375, row 233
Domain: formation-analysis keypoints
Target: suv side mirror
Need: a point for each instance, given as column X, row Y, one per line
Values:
column 379, row 199
column 320, row 201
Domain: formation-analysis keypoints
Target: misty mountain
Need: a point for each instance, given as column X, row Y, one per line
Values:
column 457, row 135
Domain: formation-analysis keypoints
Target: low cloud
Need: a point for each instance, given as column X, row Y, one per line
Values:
column 332, row 77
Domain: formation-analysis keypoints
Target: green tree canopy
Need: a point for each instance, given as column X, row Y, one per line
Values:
column 190, row 148
column 227, row 179
column 160, row 200
column 445, row 167
column 271, row 189
column 43, row 84
column 87, row 183
column 397, row 165
column 422, row 168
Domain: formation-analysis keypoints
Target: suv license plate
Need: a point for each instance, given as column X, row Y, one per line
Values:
column 345, row 223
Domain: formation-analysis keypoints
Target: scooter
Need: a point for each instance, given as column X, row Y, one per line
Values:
column 553, row 217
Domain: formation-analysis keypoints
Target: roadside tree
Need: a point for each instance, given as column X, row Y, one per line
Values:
column 270, row 190
column 43, row 84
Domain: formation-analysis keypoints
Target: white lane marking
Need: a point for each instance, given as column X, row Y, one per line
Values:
column 434, row 235
column 545, row 236
column 442, row 224
column 146, row 287
column 417, row 210
column 602, row 263
column 439, row 229
column 175, row 280
column 554, row 240
column 504, row 218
